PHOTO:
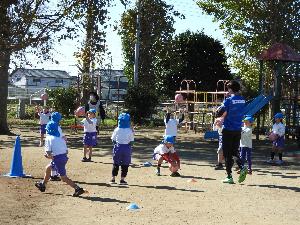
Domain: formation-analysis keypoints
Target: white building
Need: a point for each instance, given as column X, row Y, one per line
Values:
column 36, row 79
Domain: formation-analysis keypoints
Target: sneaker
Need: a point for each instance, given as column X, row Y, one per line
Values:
column 55, row 178
column 40, row 186
column 158, row 172
column 123, row 182
column 175, row 174
column 249, row 171
column 84, row 159
column 270, row 161
column 243, row 174
column 279, row 162
column 228, row 180
column 112, row 181
column 219, row 167
column 78, row 191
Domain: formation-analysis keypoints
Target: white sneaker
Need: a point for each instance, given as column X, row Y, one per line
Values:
column 279, row 162
column 270, row 161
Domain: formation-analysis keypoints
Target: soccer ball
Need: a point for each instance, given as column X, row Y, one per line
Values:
column 173, row 167
column 178, row 98
column 80, row 111
column 44, row 96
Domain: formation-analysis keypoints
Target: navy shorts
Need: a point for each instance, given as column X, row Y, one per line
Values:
column 279, row 142
column 122, row 154
column 43, row 128
column 90, row 138
column 60, row 162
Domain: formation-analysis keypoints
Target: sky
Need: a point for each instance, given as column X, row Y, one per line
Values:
column 194, row 20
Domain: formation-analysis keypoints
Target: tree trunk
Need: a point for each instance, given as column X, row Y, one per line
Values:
column 4, row 65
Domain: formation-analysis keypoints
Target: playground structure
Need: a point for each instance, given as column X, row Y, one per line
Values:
column 200, row 106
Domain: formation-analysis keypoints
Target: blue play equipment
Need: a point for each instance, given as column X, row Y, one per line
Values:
column 16, row 168
column 257, row 104
column 211, row 135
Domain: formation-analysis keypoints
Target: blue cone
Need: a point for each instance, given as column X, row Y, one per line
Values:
column 133, row 206
column 147, row 164
column 16, row 168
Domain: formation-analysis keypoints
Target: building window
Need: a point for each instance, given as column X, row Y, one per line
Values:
column 36, row 80
column 59, row 81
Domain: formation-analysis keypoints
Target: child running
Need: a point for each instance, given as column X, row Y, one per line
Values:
column 278, row 144
column 56, row 149
column 246, row 143
column 166, row 151
column 44, row 115
column 218, row 126
column 90, row 134
column 122, row 139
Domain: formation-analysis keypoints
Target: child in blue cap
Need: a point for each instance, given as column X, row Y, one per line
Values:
column 56, row 149
column 166, row 151
column 122, row 138
column 278, row 144
column 90, row 134
column 246, row 143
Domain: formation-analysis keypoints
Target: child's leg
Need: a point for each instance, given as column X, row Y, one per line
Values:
column 274, row 149
column 84, row 151
column 68, row 181
column 279, row 149
column 115, row 171
column 249, row 156
column 90, row 152
column 124, row 171
column 41, row 139
column 47, row 174
column 243, row 152
column 220, row 157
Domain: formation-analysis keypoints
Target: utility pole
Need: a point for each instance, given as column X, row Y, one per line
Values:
column 137, row 44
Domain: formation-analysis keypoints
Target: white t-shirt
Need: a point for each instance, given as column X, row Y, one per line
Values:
column 56, row 145
column 279, row 129
column 44, row 117
column 123, row 135
column 171, row 127
column 162, row 149
column 89, row 127
column 246, row 137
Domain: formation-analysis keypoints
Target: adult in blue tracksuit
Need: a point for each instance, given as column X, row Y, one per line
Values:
column 231, row 134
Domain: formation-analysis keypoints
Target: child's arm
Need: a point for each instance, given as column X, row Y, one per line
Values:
column 48, row 151
column 182, row 117
column 88, row 119
column 168, row 115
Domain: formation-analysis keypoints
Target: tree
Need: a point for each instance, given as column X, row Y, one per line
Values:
column 91, row 16
column 156, row 34
column 198, row 57
column 29, row 26
column 251, row 26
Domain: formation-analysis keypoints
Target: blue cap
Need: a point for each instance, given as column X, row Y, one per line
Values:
column 93, row 111
column 249, row 118
column 169, row 139
column 52, row 129
column 56, row 117
column 278, row 116
column 124, row 120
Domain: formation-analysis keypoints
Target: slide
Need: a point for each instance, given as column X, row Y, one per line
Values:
column 257, row 104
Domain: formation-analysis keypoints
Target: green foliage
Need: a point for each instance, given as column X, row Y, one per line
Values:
column 157, row 19
column 251, row 26
column 140, row 103
column 63, row 100
column 195, row 56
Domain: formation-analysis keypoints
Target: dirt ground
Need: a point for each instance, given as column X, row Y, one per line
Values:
column 270, row 196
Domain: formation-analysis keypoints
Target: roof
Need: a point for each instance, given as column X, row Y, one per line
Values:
column 41, row 73
column 280, row 52
column 107, row 72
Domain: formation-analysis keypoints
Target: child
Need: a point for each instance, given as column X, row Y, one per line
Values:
column 246, row 143
column 56, row 149
column 278, row 144
column 90, row 134
column 166, row 151
column 44, row 115
column 172, row 123
column 122, row 138
column 218, row 125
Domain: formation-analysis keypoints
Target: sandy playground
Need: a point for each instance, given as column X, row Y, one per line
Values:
column 270, row 196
